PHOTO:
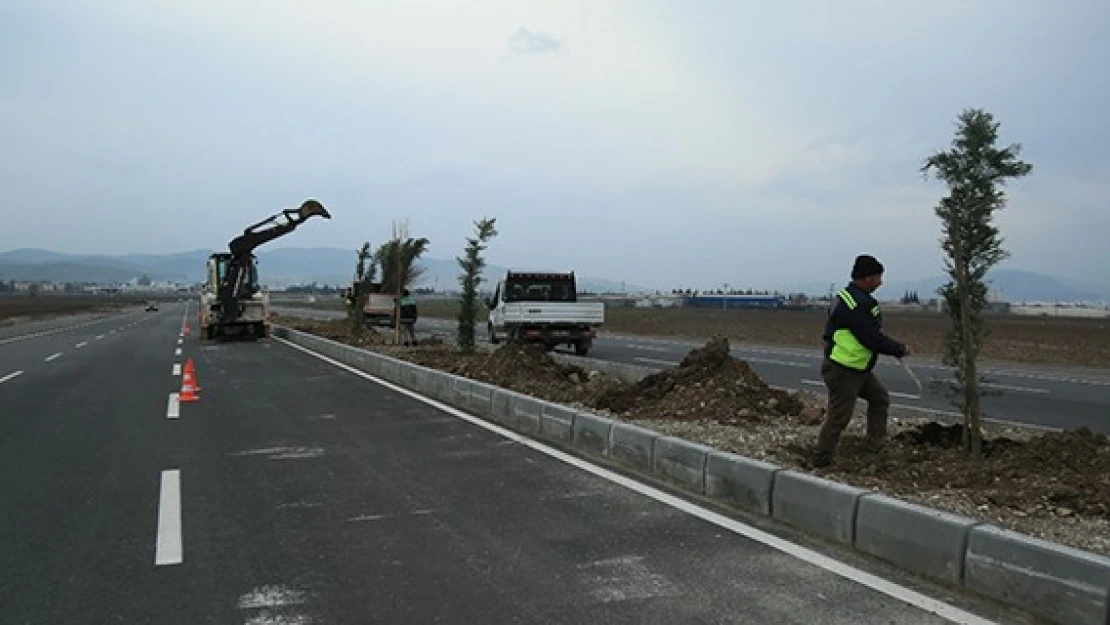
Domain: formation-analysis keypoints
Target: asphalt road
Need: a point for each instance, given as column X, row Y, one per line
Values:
column 296, row 492
column 1046, row 396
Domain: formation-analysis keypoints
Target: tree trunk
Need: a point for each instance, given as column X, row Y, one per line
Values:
column 972, row 434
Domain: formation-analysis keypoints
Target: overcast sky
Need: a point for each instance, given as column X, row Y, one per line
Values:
column 691, row 143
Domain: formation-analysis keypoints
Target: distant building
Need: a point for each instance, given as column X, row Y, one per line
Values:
column 736, row 302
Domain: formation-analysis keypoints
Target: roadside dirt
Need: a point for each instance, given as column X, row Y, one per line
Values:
column 707, row 384
column 1051, row 485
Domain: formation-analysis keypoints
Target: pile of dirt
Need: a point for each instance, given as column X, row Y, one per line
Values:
column 524, row 368
column 709, row 384
column 1053, row 474
column 340, row 330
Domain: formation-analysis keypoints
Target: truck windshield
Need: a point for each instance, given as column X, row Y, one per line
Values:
column 540, row 289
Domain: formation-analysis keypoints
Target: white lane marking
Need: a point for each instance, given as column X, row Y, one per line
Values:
column 168, row 549
column 176, row 368
column 11, row 376
column 81, row 344
column 270, row 597
column 1020, row 389
column 32, row 335
column 886, row 587
column 177, row 352
column 53, row 356
column 111, row 331
column 957, row 417
column 813, row 382
column 656, row 361
column 648, row 348
column 773, row 361
column 99, row 336
column 179, row 341
column 173, row 406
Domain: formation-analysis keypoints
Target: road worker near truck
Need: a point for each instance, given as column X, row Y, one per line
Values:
column 853, row 341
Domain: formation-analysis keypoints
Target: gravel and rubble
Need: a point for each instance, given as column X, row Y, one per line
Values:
column 1053, row 485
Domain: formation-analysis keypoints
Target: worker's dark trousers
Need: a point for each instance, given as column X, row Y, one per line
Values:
column 845, row 385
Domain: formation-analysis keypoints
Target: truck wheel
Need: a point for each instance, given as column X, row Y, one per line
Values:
column 582, row 348
column 492, row 334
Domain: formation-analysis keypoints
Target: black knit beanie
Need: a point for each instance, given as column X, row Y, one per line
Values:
column 866, row 266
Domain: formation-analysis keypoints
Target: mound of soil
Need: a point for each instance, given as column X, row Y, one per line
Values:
column 339, row 330
column 709, row 384
column 1053, row 474
column 524, row 368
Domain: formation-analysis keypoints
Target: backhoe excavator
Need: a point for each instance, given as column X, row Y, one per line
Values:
column 232, row 303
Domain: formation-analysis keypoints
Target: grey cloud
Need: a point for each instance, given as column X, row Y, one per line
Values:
column 525, row 41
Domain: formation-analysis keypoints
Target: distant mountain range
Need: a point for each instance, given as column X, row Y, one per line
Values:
column 279, row 267
column 282, row 267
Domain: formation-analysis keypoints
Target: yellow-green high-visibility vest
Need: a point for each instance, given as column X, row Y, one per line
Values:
column 847, row 350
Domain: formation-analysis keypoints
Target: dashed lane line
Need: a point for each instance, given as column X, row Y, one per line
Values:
column 168, row 549
column 53, row 357
column 11, row 376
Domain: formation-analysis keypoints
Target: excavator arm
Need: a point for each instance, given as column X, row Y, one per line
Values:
column 232, row 285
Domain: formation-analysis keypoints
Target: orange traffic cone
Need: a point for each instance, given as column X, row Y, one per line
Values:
column 189, row 367
column 189, row 388
column 188, row 391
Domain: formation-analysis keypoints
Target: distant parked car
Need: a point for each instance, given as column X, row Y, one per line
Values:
column 151, row 306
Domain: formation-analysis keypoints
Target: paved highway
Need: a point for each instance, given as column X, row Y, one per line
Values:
column 296, row 492
column 1045, row 396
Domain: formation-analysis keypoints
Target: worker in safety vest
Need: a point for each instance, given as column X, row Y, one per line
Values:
column 853, row 341
column 407, row 310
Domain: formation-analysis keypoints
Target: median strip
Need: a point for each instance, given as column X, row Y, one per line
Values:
column 634, row 443
column 923, row 540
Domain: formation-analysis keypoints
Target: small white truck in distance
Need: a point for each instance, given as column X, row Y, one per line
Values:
column 543, row 307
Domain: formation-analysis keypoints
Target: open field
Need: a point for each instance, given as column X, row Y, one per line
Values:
column 1048, row 340
column 20, row 307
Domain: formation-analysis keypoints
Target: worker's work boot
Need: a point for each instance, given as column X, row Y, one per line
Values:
column 312, row 207
column 821, row 459
column 874, row 444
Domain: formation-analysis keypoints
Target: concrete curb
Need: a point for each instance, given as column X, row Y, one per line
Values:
column 816, row 505
column 740, row 481
column 1066, row 586
column 680, row 462
column 1057, row 582
column 923, row 540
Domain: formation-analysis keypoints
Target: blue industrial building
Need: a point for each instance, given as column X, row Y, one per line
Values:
column 730, row 302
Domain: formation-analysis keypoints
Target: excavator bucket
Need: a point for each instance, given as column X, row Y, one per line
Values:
column 312, row 207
